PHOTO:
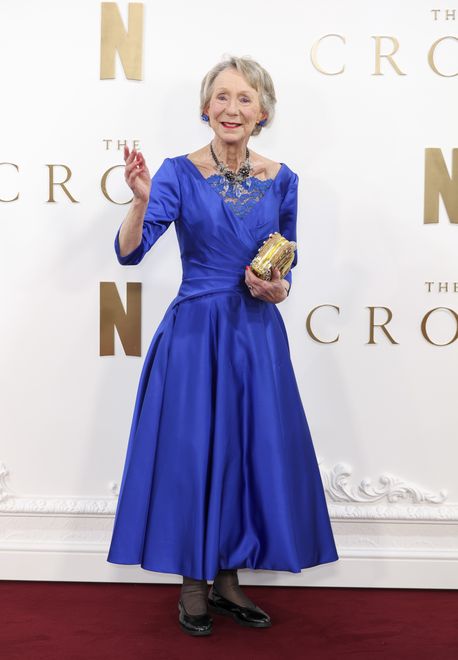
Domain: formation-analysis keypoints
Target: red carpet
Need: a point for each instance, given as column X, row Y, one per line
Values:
column 88, row 621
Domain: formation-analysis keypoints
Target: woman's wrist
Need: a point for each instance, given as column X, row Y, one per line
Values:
column 139, row 204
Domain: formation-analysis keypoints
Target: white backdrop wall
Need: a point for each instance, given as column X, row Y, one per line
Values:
column 383, row 415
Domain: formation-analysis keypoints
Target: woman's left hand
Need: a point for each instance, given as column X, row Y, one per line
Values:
column 273, row 290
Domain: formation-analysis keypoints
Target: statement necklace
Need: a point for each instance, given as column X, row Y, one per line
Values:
column 230, row 178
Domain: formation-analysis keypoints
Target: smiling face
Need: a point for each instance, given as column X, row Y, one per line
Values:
column 234, row 107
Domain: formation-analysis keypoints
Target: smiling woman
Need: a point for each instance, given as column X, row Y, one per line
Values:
column 261, row 88
column 220, row 471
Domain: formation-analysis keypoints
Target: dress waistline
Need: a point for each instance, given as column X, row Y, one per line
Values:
column 240, row 288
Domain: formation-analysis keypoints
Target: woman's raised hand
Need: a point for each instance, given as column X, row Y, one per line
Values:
column 137, row 175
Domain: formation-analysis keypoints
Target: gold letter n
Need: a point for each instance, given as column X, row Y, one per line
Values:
column 127, row 43
column 126, row 321
column 438, row 183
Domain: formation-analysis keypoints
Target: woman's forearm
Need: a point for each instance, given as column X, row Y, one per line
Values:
column 130, row 233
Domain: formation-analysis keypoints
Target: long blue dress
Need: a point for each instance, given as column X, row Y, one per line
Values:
column 220, row 469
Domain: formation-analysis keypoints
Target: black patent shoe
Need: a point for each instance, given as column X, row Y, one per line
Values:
column 245, row 616
column 194, row 624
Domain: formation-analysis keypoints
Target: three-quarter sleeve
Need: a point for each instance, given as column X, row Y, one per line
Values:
column 163, row 209
column 288, row 218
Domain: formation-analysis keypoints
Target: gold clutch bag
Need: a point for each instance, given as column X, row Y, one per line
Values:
column 275, row 252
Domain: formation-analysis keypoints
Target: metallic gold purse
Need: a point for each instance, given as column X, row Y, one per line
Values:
column 275, row 252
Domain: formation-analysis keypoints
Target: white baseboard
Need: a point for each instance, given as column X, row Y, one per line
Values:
column 348, row 571
column 372, row 553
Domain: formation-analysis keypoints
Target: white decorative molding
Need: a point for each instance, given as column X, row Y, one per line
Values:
column 394, row 499
column 4, row 492
column 365, row 501
column 59, row 505
column 395, row 512
column 11, row 503
column 392, row 489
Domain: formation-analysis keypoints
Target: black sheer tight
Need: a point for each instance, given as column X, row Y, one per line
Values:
column 194, row 595
column 227, row 584
column 194, row 592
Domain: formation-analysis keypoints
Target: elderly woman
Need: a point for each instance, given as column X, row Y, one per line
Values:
column 220, row 470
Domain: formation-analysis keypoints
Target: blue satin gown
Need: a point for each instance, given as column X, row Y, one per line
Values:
column 220, row 469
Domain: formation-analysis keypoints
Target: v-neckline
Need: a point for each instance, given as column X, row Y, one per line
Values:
column 226, row 205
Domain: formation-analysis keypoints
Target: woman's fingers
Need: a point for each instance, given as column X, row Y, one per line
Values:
column 135, row 160
column 139, row 186
column 133, row 177
column 134, row 165
column 130, row 157
column 268, row 290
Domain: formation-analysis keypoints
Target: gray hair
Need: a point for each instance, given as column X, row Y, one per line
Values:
column 256, row 75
